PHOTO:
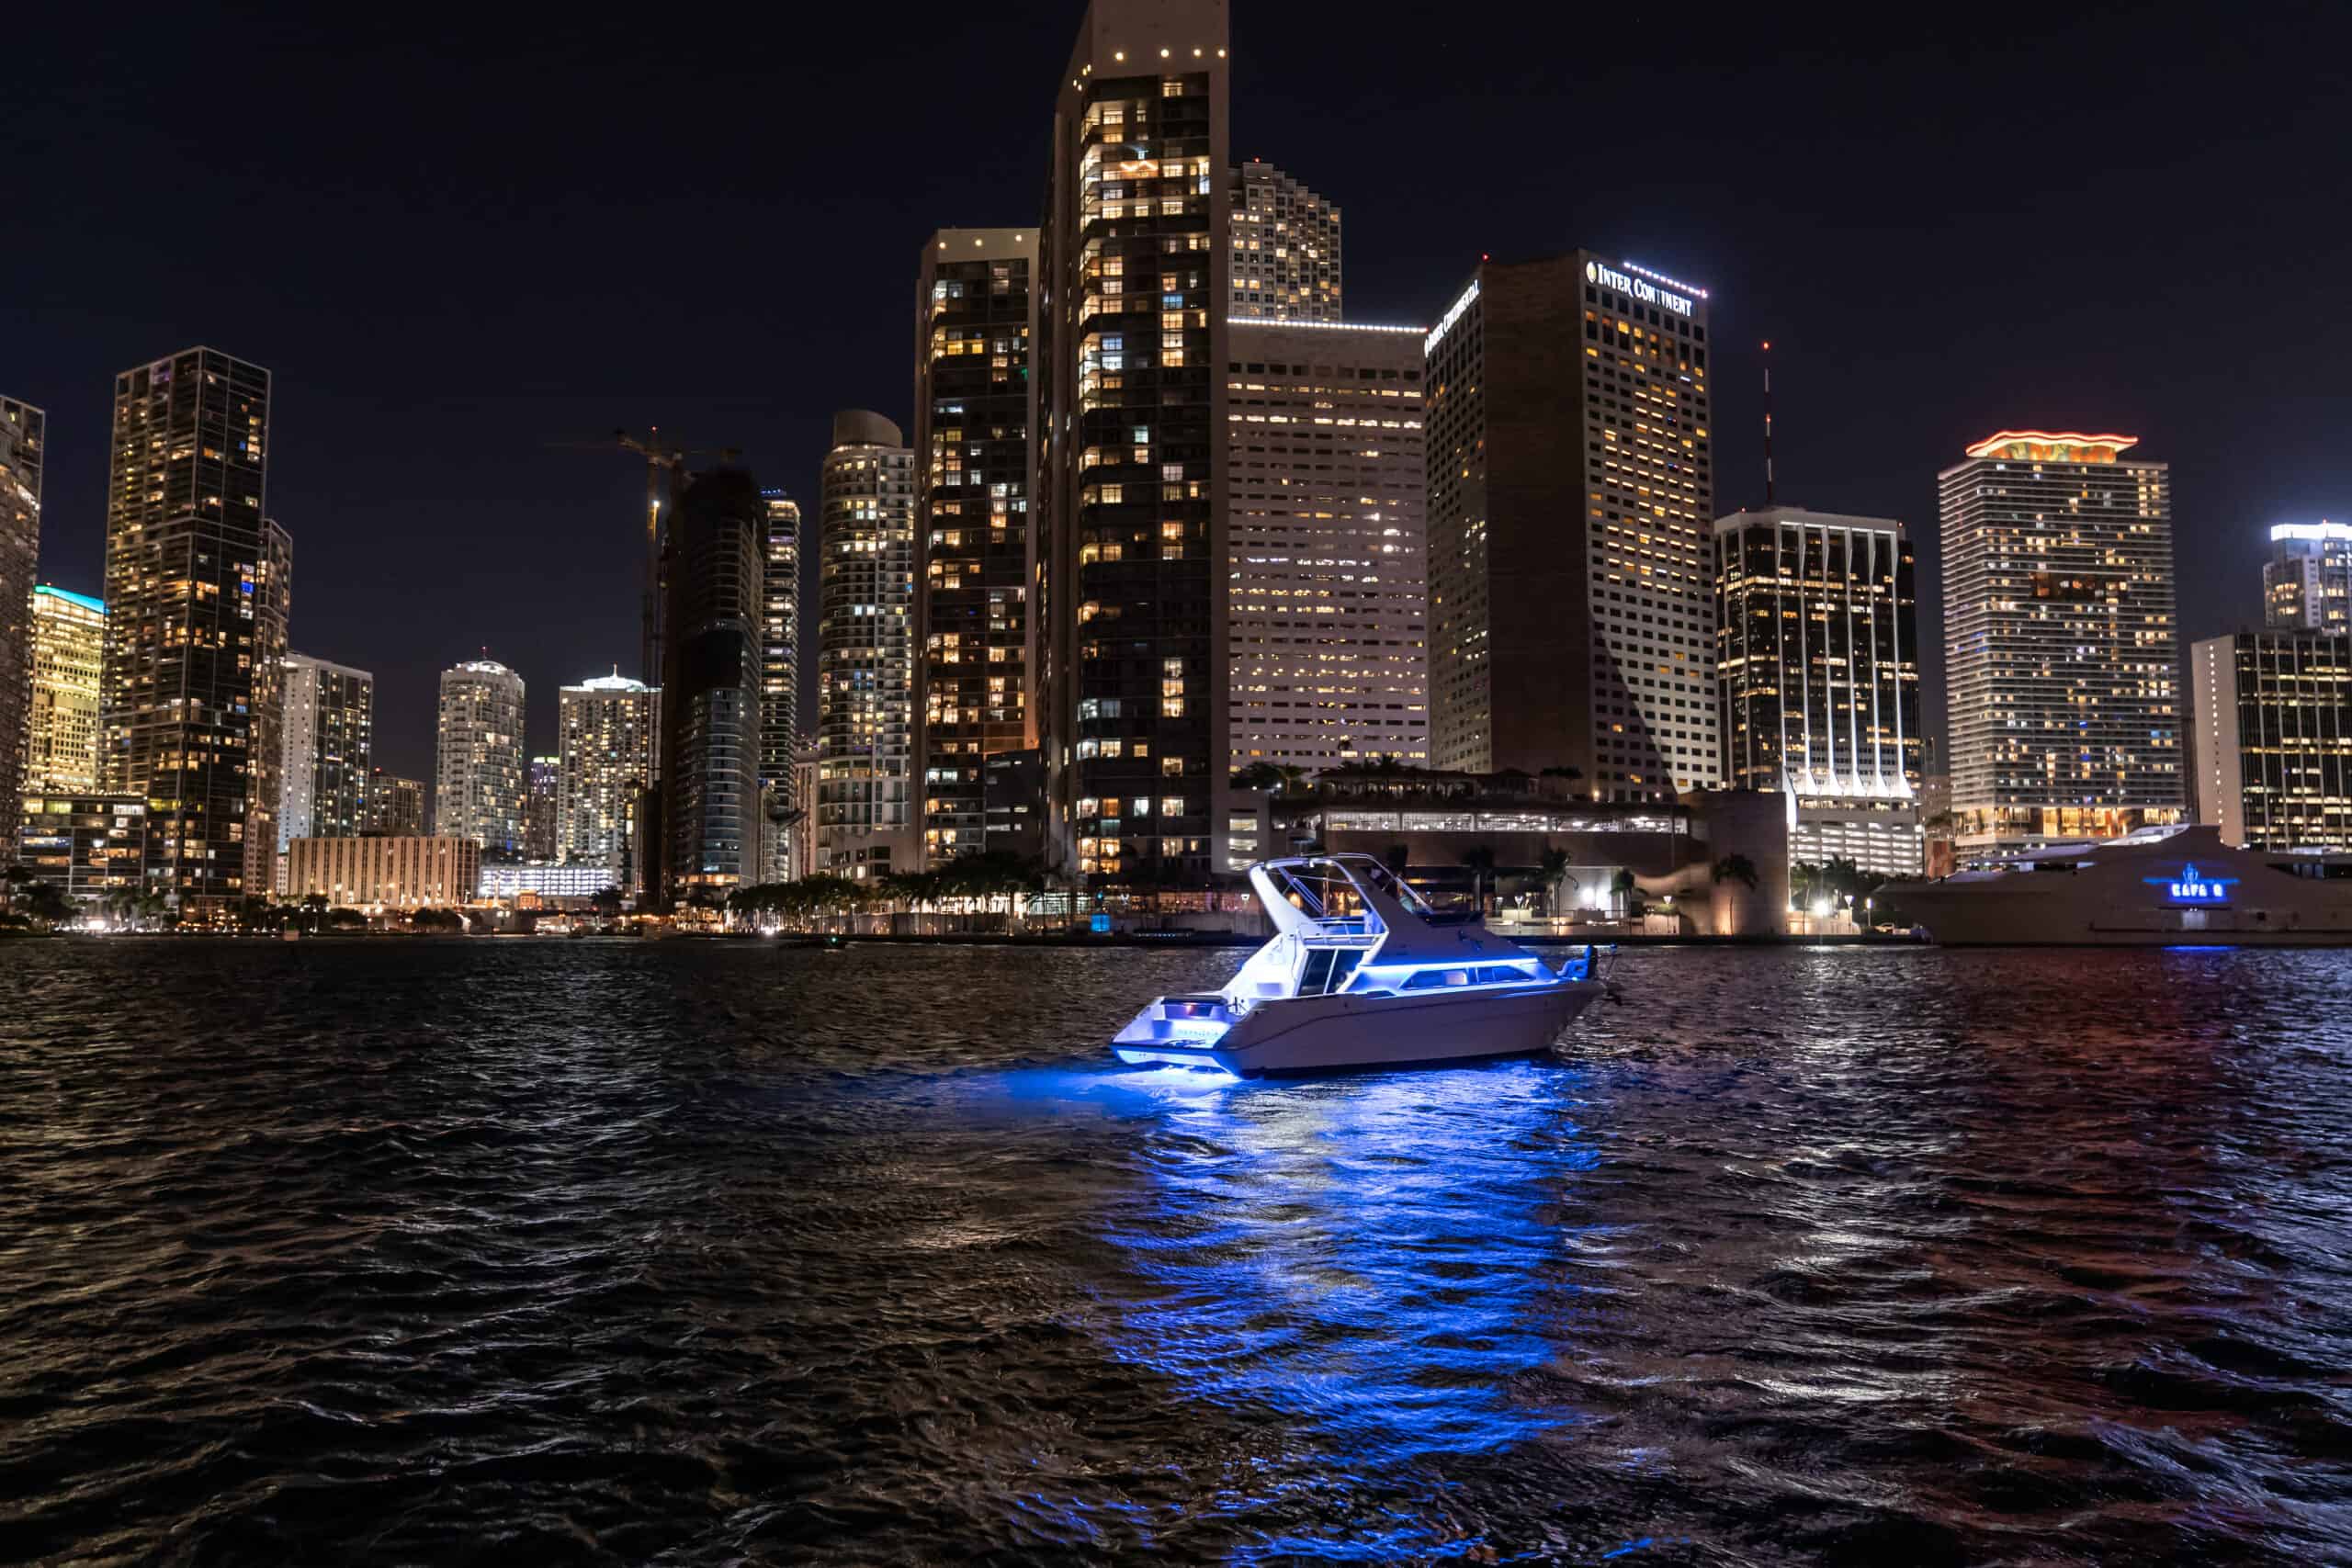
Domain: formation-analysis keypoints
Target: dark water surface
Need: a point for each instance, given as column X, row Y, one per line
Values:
column 543, row 1252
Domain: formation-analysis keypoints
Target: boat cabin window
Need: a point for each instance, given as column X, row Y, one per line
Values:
column 1483, row 975
column 1327, row 969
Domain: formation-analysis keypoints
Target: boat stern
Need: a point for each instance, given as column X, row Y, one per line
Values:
column 1179, row 1032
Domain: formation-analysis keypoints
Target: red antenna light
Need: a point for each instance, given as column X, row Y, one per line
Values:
column 1767, row 423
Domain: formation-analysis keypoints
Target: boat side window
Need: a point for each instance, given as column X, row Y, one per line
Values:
column 1315, row 978
column 1431, row 979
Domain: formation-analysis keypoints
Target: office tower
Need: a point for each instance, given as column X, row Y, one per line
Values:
column 1135, row 280
column 2307, row 581
column 539, row 808
column 1570, row 519
column 2061, row 653
column 62, row 723
column 607, row 724
column 975, row 461
column 188, row 563
column 2272, row 714
column 329, row 734
column 22, row 429
column 372, row 874
column 779, row 681
column 710, row 706
column 865, row 648
column 1817, row 650
column 1286, row 248
column 395, row 805
column 478, row 781
column 1327, row 613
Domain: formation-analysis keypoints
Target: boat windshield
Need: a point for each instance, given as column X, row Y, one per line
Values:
column 1328, row 893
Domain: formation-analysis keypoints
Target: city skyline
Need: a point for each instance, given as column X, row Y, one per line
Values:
column 2102, row 344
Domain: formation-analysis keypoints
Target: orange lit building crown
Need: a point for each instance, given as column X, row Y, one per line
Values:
column 2051, row 446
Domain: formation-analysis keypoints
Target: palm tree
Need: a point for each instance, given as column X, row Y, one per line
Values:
column 1735, row 868
column 1555, row 868
column 1804, row 885
column 48, row 904
column 1624, row 892
column 1480, row 858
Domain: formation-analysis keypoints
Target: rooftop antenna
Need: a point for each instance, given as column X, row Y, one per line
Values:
column 1768, row 422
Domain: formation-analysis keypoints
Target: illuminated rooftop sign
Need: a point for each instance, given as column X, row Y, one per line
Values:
column 2320, row 530
column 1640, row 288
column 1453, row 314
column 2051, row 445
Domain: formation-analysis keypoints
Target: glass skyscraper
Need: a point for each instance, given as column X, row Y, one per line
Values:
column 975, row 463
column 1136, row 276
column 197, row 594
column 22, row 429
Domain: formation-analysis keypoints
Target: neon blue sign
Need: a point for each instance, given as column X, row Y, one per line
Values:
column 2191, row 887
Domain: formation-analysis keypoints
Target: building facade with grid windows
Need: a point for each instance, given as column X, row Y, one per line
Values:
column 1817, row 651
column 2273, row 717
column 1286, row 248
column 1571, row 504
column 865, row 650
column 1327, row 613
column 975, row 463
column 2061, row 646
column 1136, row 275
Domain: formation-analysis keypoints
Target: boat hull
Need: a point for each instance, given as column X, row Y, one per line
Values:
column 2065, row 912
column 1371, row 1030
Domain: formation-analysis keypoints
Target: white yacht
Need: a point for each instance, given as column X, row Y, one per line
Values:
column 2157, row 887
column 1361, row 972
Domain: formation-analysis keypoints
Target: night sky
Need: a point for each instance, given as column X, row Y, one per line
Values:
column 455, row 250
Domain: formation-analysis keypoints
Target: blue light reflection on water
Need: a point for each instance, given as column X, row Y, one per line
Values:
column 1382, row 1264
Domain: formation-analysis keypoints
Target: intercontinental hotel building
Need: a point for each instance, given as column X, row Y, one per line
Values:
column 1571, row 510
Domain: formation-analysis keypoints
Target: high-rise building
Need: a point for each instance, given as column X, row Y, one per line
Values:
column 61, row 725
column 1571, row 519
column 2307, row 581
column 190, row 644
column 273, row 609
column 865, row 650
column 1327, row 610
column 1136, row 281
column 395, row 805
column 779, row 681
column 975, row 461
column 608, row 724
column 1286, row 248
column 2272, row 714
column 710, row 699
column 22, row 429
column 479, row 780
column 539, row 808
column 1817, row 648
column 329, row 735
column 2061, row 652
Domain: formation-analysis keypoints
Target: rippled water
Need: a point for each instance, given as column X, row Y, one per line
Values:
column 545, row 1252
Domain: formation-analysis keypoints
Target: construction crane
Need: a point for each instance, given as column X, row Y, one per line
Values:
column 663, row 461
